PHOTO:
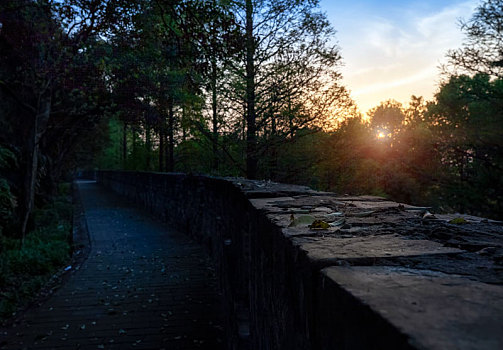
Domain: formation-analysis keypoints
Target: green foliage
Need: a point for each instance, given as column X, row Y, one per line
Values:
column 42, row 252
column 24, row 268
column 467, row 123
column 64, row 189
column 346, row 160
column 7, row 202
column 109, row 157
column 292, row 159
column 237, row 88
column 194, row 156
column 446, row 154
column 400, row 164
column 7, row 158
column 53, row 94
column 387, row 118
column 57, row 212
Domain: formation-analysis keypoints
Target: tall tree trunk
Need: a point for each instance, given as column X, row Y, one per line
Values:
column 161, row 147
column 124, row 146
column 183, row 124
column 134, row 148
column 170, row 161
column 273, row 163
column 214, row 112
column 148, row 145
column 290, row 118
column 273, row 124
column 251, row 131
column 39, row 126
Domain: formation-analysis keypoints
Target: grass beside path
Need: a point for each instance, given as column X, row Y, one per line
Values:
column 25, row 270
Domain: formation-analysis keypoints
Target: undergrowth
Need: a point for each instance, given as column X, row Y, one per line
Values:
column 25, row 268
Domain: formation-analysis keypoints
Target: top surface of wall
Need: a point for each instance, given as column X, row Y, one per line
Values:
column 438, row 282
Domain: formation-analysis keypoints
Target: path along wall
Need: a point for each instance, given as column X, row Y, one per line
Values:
column 383, row 275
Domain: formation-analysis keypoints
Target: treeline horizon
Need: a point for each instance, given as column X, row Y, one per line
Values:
column 235, row 88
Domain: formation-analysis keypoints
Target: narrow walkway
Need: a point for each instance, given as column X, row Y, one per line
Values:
column 142, row 287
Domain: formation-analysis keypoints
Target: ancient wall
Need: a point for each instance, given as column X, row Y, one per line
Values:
column 375, row 274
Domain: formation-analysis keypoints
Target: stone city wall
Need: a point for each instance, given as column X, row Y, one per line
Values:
column 367, row 274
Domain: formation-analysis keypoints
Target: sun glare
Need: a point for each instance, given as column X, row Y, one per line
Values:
column 381, row 135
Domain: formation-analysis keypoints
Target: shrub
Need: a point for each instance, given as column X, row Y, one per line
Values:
column 24, row 269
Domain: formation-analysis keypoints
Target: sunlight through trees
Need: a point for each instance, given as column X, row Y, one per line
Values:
column 235, row 88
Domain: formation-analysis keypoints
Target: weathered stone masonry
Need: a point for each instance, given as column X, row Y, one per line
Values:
column 384, row 276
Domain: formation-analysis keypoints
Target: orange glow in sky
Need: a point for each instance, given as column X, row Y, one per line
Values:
column 393, row 49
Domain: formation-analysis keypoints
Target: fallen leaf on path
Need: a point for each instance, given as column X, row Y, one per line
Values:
column 301, row 220
column 319, row 225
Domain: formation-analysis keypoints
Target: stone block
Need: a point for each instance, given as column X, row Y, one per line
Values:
column 423, row 309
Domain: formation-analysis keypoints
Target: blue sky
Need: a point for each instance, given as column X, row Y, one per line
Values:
column 393, row 49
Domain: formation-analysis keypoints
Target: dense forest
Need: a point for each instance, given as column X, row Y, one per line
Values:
column 235, row 88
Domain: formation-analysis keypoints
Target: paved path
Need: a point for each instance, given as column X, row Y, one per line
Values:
column 142, row 287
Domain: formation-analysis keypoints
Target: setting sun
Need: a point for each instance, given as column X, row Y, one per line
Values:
column 381, row 135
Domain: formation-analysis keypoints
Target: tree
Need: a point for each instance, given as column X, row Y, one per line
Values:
column 387, row 118
column 347, row 160
column 467, row 121
column 287, row 53
column 156, row 75
column 46, row 51
column 219, row 41
column 172, row 52
column 466, row 115
column 32, row 85
column 482, row 50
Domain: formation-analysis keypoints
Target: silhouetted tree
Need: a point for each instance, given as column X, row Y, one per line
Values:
column 287, row 52
column 387, row 118
column 482, row 50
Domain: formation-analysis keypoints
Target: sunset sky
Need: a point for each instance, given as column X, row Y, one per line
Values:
column 392, row 48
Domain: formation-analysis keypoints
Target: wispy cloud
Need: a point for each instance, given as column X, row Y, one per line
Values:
column 396, row 83
column 396, row 55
